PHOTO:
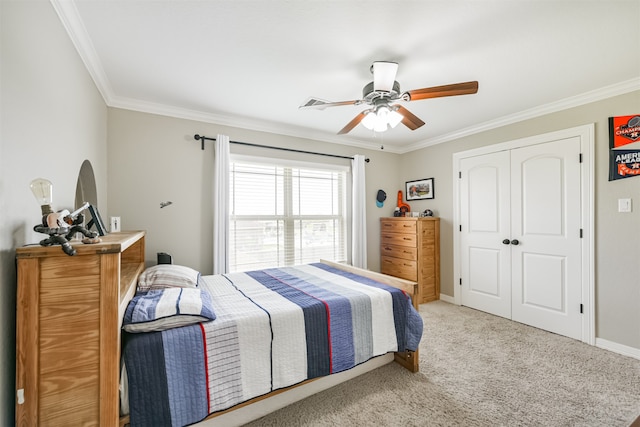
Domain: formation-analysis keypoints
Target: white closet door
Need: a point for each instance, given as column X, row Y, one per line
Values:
column 545, row 222
column 484, row 219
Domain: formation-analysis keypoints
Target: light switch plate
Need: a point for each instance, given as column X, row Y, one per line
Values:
column 624, row 205
column 115, row 224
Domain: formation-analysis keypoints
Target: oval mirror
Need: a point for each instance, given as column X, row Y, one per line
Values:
column 86, row 186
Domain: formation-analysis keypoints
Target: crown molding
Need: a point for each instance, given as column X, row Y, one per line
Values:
column 554, row 107
column 70, row 18
column 244, row 123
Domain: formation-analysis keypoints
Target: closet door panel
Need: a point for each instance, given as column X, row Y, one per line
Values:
column 545, row 220
column 484, row 214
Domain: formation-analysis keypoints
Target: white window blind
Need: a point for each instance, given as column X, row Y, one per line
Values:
column 284, row 215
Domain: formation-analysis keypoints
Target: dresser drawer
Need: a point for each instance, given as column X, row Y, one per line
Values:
column 398, row 239
column 398, row 226
column 403, row 252
column 405, row 269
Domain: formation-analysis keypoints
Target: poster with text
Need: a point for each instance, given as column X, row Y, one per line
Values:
column 624, row 147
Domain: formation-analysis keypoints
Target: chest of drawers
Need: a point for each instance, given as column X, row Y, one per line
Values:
column 68, row 319
column 410, row 249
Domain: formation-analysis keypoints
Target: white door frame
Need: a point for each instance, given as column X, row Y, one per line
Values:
column 586, row 135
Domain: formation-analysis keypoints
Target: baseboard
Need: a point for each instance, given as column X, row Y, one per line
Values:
column 447, row 298
column 618, row 348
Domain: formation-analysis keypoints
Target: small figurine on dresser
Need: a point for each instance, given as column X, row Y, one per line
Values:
column 61, row 226
column 403, row 208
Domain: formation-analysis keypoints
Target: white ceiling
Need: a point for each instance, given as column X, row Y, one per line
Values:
column 251, row 64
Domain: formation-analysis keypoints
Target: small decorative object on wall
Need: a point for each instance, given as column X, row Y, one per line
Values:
column 624, row 147
column 420, row 189
column 380, row 198
column 97, row 221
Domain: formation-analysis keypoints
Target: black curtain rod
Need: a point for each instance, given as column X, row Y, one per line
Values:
column 202, row 139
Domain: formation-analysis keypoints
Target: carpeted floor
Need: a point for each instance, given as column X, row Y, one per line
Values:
column 481, row 370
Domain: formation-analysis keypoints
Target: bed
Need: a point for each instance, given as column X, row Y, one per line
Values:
column 244, row 338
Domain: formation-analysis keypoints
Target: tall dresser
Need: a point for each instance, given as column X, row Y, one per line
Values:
column 68, row 319
column 410, row 249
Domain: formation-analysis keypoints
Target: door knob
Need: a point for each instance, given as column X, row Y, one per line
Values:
column 506, row 242
column 515, row 242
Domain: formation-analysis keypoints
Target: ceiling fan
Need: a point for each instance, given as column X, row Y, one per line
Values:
column 382, row 93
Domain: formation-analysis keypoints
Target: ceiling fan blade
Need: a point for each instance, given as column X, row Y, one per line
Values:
column 384, row 75
column 353, row 123
column 466, row 88
column 319, row 104
column 409, row 119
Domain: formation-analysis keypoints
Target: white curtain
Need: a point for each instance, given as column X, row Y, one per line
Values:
column 359, row 214
column 221, row 205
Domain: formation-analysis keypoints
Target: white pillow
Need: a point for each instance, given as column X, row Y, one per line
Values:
column 163, row 276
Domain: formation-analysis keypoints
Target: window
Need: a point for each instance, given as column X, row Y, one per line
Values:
column 284, row 215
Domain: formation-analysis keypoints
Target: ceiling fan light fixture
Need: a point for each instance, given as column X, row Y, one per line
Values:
column 380, row 126
column 369, row 120
column 394, row 118
column 380, row 119
column 382, row 112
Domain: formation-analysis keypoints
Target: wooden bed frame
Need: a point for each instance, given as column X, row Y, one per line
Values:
column 81, row 300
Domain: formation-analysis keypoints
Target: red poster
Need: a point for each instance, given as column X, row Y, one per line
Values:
column 624, row 147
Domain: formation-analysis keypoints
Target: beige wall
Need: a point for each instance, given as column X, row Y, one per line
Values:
column 617, row 253
column 52, row 118
column 155, row 158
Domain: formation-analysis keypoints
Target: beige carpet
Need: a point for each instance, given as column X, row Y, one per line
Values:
column 481, row 370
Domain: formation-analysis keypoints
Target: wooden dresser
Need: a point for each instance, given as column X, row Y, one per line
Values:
column 410, row 249
column 69, row 314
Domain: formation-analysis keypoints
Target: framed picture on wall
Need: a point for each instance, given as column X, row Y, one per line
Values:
column 420, row 189
column 96, row 221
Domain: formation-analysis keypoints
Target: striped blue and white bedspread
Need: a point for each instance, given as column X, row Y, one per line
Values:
column 274, row 328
